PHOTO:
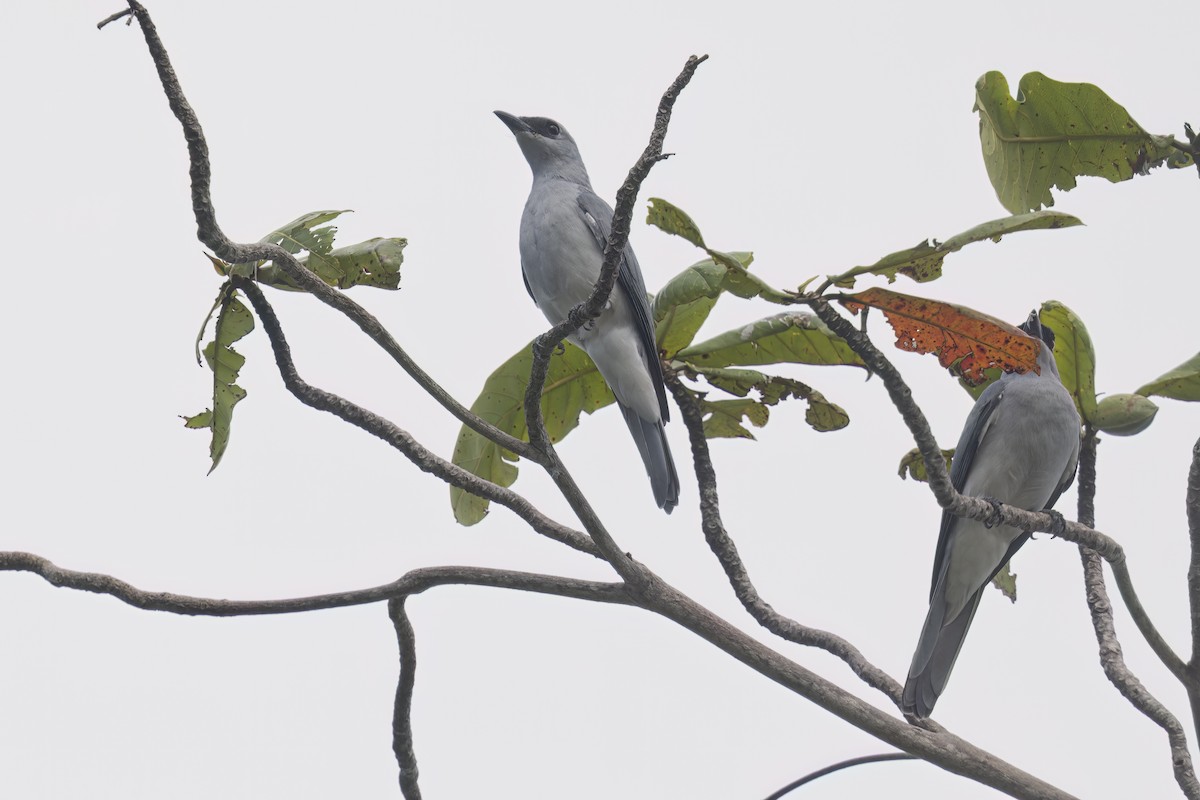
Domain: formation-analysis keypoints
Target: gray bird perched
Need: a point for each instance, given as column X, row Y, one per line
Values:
column 1020, row 446
column 563, row 232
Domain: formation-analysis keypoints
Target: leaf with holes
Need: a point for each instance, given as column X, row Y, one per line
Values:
column 233, row 322
column 573, row 386
column 822, row 415
column 375, row 262
column 723, row 418
column 1055, row 132
column 923, row 263
column 957, row 335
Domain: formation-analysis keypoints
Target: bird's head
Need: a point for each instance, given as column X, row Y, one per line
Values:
column 1034, row 327
column 549, row 149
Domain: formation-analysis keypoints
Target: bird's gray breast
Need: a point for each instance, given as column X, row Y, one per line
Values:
column 559, row 254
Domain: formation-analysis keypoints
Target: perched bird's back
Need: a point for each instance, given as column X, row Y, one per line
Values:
column 1020, row 446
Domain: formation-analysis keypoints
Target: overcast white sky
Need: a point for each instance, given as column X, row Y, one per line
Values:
column 820, row 136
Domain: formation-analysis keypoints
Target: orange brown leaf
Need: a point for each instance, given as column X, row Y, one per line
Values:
column 957, row 335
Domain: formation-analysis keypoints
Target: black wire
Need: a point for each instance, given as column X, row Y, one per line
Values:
column 853, row 762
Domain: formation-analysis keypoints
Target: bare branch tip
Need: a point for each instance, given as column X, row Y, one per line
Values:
column 128, row 12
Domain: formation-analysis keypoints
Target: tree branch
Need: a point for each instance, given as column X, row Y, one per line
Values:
column 941, row 748
column 1192, row 503
column 726, row 552
column 398, row 438
column 945, row 750
column 210, row 234
column 641, row 588
column 1111, row 658
column 412, row 582
column 581, row 314
column 402, row 735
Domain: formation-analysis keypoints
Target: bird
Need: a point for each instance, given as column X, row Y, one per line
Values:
column 564, row 228
column 1019, row 446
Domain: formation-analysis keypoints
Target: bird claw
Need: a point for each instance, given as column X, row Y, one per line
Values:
column 1059, row 526
column 562, row 348
column 995, row 519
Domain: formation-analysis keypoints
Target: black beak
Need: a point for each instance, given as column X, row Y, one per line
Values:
column 514, row 123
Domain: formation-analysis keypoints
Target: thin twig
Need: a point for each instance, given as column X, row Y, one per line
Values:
column 113, row 18
column 545, row 345
column 1112, row 659
column 413, row 582
column 398, row 438
column 402, row 733
column 850, row 762
column 210, row 234
column 725, row 550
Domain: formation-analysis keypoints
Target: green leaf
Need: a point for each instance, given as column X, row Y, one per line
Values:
column 1074, row 355
column 675, row 221
column 923, row 263
column 723, row 418
column 913, row 464
column 683, row 305
column 822, row 415
column 1055, row 132
column 573, row 385
column 375, row 262
column 201, row 420
column 302, row 233
column 1181, row 383
column 1124, row 414
column 233, row 322
column 1006, row 582
column 792, row 337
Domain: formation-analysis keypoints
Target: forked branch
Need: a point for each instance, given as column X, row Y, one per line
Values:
column 641, row 587
column 1112, row 660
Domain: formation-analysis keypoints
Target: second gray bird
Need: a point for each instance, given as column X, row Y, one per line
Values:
column 1020, row 445
column 563, row 232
